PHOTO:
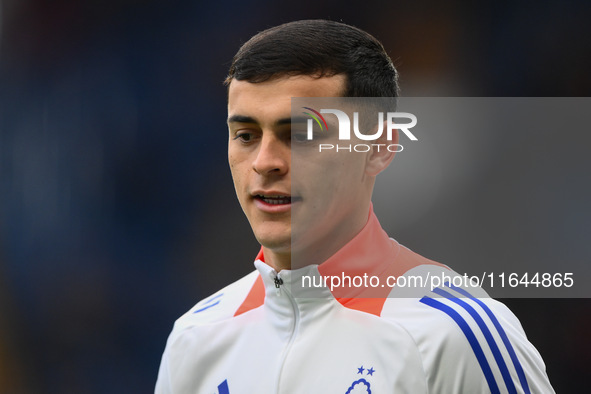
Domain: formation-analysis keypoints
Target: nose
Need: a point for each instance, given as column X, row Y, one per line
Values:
column 273, row 156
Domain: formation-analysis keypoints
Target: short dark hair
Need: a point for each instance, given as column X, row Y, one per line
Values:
column 318, row 48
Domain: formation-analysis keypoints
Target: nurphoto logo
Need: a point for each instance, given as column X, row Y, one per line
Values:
column 344, row 129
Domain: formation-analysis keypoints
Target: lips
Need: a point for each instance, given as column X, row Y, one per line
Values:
column 274, row 199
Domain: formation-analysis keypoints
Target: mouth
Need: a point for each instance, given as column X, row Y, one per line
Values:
column 272, row 199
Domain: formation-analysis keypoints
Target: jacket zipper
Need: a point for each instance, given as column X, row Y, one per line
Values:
column 296, row 322
column 278, row 282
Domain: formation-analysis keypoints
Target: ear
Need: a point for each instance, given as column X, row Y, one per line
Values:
column 379, row 157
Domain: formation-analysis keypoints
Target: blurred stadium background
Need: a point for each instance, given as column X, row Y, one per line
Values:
column 117, row 211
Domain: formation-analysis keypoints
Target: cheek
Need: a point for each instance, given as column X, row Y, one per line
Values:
column 239, row 175
column 235, row 175
column 231, row 159
column 233, row 162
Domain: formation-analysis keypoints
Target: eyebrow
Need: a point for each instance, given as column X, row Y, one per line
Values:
column 250, row 119
column 241, row 119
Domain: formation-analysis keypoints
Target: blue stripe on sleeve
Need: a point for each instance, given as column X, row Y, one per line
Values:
column 487, row 334
column 493, row 318
column 210, row 303
column 490, row 379
column 223, row 388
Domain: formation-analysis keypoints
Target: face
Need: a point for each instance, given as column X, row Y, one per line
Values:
column 313, row 210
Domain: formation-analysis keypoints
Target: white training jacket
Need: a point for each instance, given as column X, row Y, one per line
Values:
column 269, row 334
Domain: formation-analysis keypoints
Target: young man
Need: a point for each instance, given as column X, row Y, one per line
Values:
column 267, row 333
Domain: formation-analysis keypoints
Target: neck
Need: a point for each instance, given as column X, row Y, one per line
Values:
column 318, row 250
column 278, row 260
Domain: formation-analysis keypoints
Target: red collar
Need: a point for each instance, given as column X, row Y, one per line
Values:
column 369, row 253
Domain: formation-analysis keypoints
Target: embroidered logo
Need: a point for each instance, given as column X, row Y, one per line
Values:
column 361, row 386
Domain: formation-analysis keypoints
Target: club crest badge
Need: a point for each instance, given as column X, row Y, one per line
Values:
column 361, row 385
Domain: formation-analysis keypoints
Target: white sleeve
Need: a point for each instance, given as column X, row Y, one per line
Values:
column 470, row 345
column 482, row 349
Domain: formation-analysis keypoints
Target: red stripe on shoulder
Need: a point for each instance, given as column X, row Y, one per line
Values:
column 255, row 297
column 367, row 305
column 372, row 299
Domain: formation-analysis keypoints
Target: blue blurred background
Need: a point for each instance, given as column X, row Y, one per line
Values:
column 117, row 211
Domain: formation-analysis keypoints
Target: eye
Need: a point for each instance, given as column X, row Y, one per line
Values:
column 299, row 133
column 299, row 136
column 245, row 136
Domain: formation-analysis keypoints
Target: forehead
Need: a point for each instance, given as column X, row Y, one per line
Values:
column 273, row 98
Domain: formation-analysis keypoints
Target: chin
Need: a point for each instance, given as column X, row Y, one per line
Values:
column 272, row 241
column 278, row 246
